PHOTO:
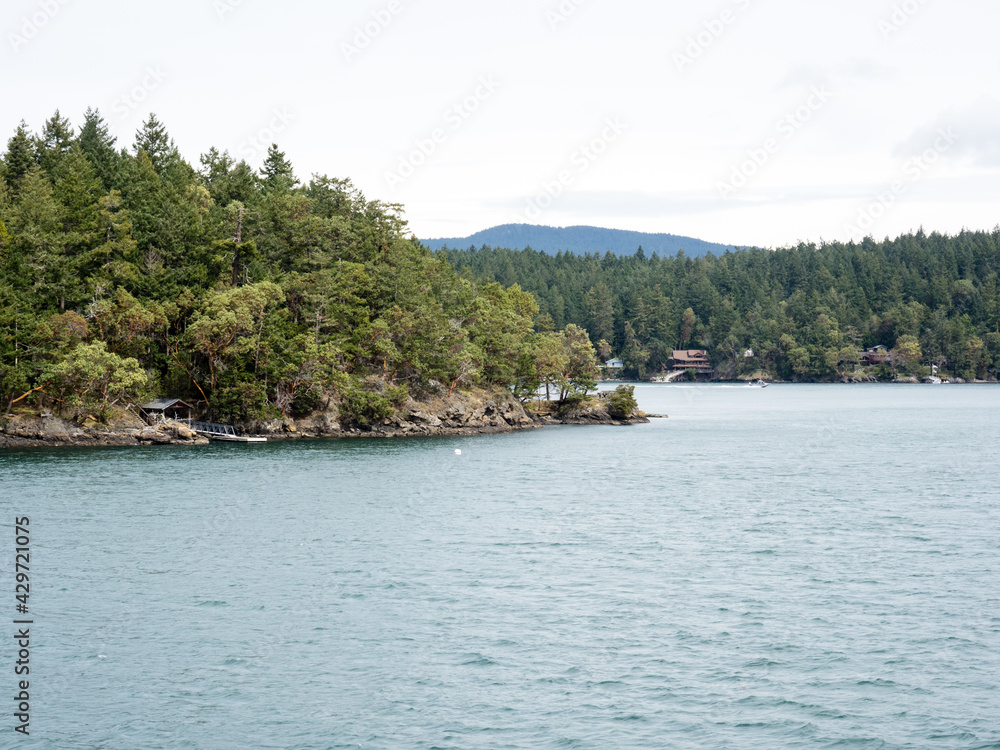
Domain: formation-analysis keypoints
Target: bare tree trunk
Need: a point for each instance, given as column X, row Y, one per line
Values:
column 236, row 251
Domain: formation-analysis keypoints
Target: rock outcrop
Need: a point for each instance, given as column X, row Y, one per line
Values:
column 27, row 431
column 472, row 412
column 593, row 410
column 461, row 413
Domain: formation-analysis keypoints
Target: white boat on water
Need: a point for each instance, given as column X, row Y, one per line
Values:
column 757, row 384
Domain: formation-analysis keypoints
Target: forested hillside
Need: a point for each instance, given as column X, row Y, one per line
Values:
column 578, row 240
column 127, row 274
column 806, row 312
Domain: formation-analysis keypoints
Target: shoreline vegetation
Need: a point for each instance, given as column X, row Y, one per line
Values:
column 471, row 412
column 270, row 303
column 808, row 313
column 130, row 275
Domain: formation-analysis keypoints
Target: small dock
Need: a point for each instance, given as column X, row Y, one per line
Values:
column 214, row 431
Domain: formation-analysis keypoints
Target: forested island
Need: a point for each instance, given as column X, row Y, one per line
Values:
column 128, row 273
column 804, row 313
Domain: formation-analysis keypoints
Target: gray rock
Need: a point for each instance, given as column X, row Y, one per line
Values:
column 428, row 420
column 54, row 429
column 154, row 436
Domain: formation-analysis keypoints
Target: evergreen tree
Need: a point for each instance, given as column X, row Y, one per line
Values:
column 152, row 139
column 78, row 189
column 600, row 313
column 143, row 196
column 53, row 144
column 634, row 354
column 19, row 158
column 276, row 172
column 40, row 242
column 228, row 181
column 99, row 146
column 115, row 256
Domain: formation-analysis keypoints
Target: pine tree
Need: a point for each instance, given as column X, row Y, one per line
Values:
column 116, row 253
column 634, row 354
column 40, row 243
column 226, row 180
column 214, row 169
column 143, row 196
column 53, row 144
column 244, row 186
column 153, row 140
column 78, row 191
column 99, row 146
column 600, row 313
column 20, row 157
column 276, row 172
column 689, row 323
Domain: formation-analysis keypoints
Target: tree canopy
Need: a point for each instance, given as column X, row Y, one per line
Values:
column 126, row 274
column 805, row 312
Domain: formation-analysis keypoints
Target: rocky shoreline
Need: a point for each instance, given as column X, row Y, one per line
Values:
column 50, row 432
column 465, row 413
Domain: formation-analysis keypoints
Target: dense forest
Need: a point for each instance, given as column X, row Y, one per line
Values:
column 805, row 312
column 128, row 273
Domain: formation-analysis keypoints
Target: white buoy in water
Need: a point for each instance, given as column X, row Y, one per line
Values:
column 458, row 451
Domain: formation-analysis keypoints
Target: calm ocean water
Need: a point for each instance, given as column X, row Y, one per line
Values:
column 796, row 567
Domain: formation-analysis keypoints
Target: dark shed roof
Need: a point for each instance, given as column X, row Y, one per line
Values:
column 161, row 404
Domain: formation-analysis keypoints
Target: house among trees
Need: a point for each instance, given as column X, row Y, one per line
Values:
column 612, row 369
column 878, row 355
column 692, row 359
column 166, row 408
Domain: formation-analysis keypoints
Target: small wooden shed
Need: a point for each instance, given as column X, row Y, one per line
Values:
column 167, row 408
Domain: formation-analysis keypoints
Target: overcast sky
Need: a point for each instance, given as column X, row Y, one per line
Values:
column 758, row 122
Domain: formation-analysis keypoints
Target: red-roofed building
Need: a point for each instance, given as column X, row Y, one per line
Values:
column 877, row 356
column 692, row 359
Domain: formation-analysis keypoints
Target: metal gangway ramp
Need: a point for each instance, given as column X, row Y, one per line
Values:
column 214, row 431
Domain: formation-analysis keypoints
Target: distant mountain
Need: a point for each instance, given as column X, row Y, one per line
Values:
column 580, row 240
